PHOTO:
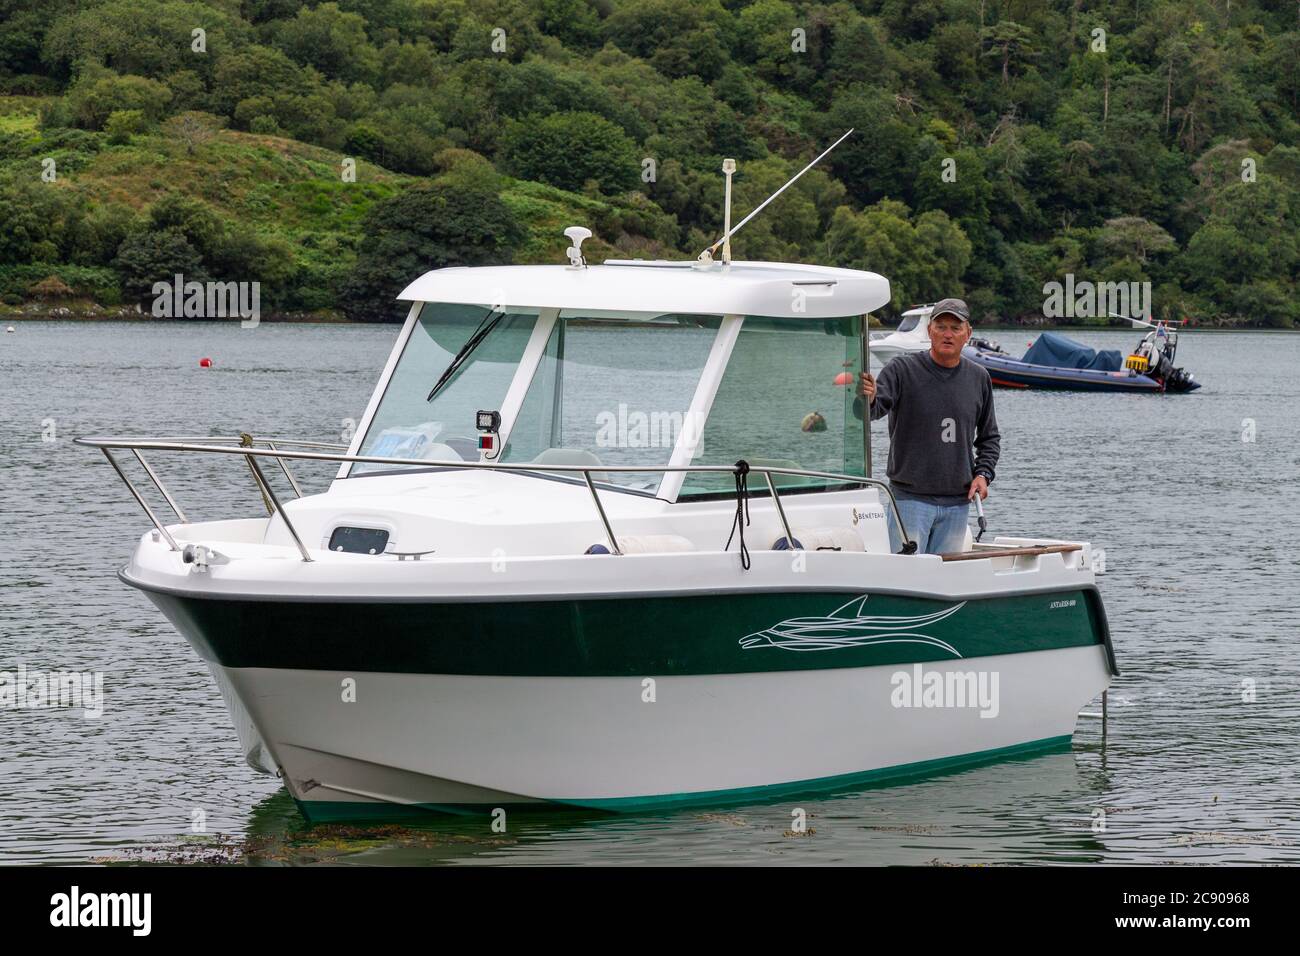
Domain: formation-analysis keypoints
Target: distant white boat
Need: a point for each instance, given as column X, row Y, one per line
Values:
column 912, row 335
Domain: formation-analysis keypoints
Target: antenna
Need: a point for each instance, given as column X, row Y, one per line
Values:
column 725, row 242
column 1139, row 323
column 577, row 235
column 728, row 167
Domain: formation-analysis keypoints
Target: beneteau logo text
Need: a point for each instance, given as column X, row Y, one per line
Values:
column 208, row 300
column 1090, row 300
column 103, row 909
column 921, row 688
column 37, row 689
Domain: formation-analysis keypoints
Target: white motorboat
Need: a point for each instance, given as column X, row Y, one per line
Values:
column 911, row 335
column 585, row 550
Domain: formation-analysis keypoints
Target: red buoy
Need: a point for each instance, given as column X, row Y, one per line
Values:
column 205, row 363
column 844, row 378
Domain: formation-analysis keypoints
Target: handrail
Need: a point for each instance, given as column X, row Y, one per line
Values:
column 93, row 441
column 135, row 445
column 1002, row 552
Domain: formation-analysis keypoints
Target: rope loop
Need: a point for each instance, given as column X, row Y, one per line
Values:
column 742, row 511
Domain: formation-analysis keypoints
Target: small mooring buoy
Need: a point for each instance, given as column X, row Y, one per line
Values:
column 813, row 422
column 205, row 362
column 844, row 378
column 10, row 328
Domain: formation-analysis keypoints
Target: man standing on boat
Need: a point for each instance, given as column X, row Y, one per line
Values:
column 940, row 407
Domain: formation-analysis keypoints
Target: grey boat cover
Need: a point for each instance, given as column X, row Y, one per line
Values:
column 1060, row 352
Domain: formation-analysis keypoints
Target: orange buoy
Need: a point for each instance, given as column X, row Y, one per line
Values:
column 844, row 378
column 205, row 362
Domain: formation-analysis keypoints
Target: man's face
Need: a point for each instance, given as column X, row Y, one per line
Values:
column 948, row 335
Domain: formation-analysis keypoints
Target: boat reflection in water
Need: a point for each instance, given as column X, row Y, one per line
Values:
column 961, row 816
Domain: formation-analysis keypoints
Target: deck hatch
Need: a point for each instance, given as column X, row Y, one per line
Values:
column 359, row 540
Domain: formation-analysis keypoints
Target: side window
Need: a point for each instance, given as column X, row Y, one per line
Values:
column 783, row 402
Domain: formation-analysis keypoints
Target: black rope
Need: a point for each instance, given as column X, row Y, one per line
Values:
column 742, row 511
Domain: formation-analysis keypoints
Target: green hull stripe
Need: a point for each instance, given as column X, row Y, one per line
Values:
column 332, row 811
column 653, row 636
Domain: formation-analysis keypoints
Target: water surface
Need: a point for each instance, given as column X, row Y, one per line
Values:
column 1199, row 528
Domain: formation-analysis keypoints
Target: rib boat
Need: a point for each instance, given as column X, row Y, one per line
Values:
column 583, row 550
column 1056, row 362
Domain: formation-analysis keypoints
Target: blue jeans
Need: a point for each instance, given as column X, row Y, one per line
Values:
column 936, row 529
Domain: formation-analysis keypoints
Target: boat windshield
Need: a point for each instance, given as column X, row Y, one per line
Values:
column 616, row 388
column 909, row 322
column 612, row 389
column 786, row 400
column 406, row 424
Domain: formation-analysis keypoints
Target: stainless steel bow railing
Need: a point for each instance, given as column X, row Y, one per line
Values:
column 280, row 450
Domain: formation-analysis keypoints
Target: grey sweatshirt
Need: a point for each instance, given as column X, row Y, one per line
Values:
column 936, row 415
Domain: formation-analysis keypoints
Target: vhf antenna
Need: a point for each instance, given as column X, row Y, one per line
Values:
column 1138, row 323
column 729, row 167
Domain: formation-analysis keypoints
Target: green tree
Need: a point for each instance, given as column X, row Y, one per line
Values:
column 568, row 149
column 1132, row 237
column 101, row 93
column 953, row 180
column 123, row 124
column 678, row 37
column 152, row 38
column 428, row 226
column 880, row 159
column 574, row 22
column 330, row 40
column 254, row 71
column 36, row 221
column 923, row 259
column 156, row 256
column 1009, row 42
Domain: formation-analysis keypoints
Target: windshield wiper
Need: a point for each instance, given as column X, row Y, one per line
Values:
column 480, row 333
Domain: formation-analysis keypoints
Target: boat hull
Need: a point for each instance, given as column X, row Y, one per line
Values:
column 1011, row 373
column 383, row 710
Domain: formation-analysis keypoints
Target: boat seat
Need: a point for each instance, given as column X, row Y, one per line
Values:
column 566, row 456
column 822, row 539
column 758, row 483
column 775, row 463
column 646, row 544
column 442, row 451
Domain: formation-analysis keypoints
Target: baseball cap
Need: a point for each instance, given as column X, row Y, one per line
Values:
column 954, row 307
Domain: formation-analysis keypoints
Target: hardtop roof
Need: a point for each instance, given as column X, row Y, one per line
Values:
column 775, row 289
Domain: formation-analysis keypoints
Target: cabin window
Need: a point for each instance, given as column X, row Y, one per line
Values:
column 406, row 424
column 908, row 324
column 779, row 405
column 612, row 390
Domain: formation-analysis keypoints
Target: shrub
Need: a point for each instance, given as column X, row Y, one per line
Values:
column 51, row 287
column 426, row 227
column 93, row 99
column 123, row 124
column 568, row 149
column 264, row 126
